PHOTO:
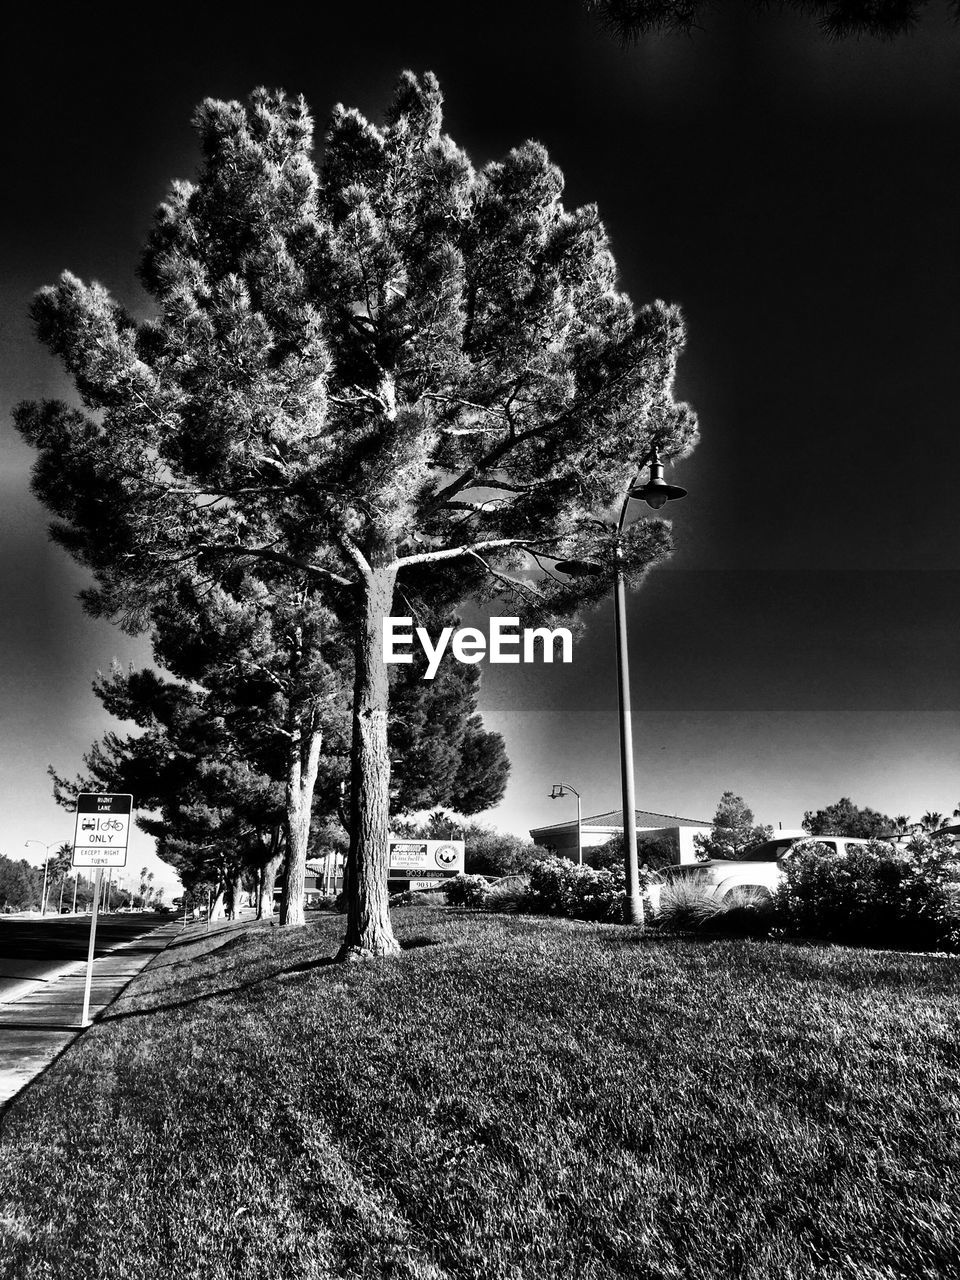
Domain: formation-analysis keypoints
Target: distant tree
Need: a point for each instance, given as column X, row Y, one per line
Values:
column 629, row 20
column 386, row 374
column 845, row 819
column 440, row 752
column 497, row 853
column 932, row 822
column 216, row 815
column 61, row 864
column 20, row 884
column 901, row 826
column 212, row 758
column 735, row 834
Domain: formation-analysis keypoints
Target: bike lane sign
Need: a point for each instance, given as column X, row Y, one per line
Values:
column 103, row 825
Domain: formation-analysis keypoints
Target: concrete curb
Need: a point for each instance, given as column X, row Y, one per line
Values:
column 34, row 1027
column 23, row 986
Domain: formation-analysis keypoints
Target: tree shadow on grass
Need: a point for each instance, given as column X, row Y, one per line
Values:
column 216, row 992
column 287, row 972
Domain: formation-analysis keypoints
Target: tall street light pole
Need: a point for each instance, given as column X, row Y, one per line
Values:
column 46, row 865
column 655, row 493
column 560, row 789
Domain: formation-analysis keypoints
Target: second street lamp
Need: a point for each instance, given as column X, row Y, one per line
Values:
column 46, row 865
column 560, row 789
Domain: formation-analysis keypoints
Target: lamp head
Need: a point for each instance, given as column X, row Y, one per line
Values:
column 558, row 792
column 656, row 491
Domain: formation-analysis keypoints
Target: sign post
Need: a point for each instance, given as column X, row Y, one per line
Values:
column 85, row 1015
column 100, row 840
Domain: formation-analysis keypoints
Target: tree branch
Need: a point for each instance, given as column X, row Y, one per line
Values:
column 453, row 553
column 278, row 557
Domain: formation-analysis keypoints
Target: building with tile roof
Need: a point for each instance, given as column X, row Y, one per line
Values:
column 561, row 837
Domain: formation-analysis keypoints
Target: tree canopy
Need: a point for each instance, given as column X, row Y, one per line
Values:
column 735, row 834
column 846, row 819
column 384, row 372
column 630, row 20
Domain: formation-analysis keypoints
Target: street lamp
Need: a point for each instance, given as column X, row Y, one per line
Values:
column 560, row 789
column 46, row 864
column 656, row 492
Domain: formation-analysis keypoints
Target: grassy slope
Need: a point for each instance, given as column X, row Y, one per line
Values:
column 511, row 1098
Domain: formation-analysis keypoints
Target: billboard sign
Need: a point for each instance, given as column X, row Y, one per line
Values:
column 102, row 830
column 425, row 859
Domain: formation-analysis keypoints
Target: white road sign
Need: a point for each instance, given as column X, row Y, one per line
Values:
column 103, row 825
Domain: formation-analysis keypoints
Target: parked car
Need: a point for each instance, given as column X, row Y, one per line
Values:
column 761, row 874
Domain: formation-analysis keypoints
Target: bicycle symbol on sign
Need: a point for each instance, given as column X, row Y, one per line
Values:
column 110, row 824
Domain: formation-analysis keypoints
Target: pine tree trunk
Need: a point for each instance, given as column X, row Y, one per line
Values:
column 268, row 877
column 236, row 893
column 301, row 777
column 369, row 931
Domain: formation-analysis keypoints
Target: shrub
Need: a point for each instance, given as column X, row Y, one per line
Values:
column 321, row 902
column 685, row 904
column 745, row 912
column 467, row 891
column 498, row 853
column 875, row 895
column 509, row 895
column 559, row 887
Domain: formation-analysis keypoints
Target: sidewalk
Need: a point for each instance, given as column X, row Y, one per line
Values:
column 39, row 1022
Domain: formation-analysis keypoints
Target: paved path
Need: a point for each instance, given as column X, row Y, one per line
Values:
column 40, row 1016
column 36, row 949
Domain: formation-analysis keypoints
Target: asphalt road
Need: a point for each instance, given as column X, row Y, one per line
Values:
column 36, row 948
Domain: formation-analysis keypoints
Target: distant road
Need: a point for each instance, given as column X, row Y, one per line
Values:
column 34, row 948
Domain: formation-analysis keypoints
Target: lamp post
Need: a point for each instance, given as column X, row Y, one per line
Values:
column 46, row 865
column 560, row 789
column 654, row 493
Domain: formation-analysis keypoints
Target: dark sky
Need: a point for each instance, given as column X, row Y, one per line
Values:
column 799, row 199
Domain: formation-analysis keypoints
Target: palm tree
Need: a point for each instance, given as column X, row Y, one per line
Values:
column 60, row 864
column 931, row 821
column 145, row 877
column 901, row 826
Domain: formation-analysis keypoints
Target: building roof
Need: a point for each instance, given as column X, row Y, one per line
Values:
column 644, row 818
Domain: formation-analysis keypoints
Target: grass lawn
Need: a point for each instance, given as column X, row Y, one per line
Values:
column 512, row 1098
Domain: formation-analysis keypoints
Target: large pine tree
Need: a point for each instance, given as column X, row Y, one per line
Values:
column 388, row 368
